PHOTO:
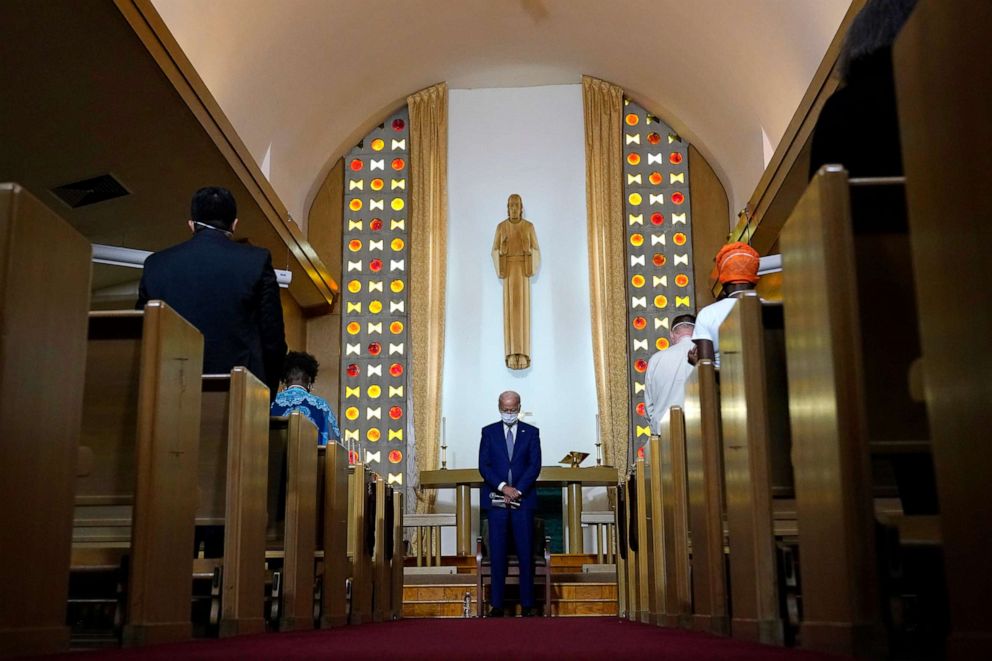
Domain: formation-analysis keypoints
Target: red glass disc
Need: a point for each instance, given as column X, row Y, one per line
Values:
column 395, row 413
column 657, row 218
column 352, row 370
column 398, row 124
column 375, row 348
column 396, row 369
column 356, row 164
column 675, row 158
column 641, row 365
column 375, row 265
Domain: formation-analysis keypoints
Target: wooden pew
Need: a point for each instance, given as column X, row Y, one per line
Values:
column 623, row 549
column 942, row 78
column 293, row 445
column 633, row 541
column 334, row 536
column 647, row 606
column 847, row 286
column 234, row 438
column 399, row 553
column 754, row 418
column 136, row 484
column 654, row 531
column 705, row 500
column 382, row 592
column 44, row 297
column 361, row 541
column 675, row 522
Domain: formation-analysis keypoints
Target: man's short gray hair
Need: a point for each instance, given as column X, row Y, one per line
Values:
column 509, row 394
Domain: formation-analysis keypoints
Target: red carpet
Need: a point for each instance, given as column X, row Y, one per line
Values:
column 477, row 640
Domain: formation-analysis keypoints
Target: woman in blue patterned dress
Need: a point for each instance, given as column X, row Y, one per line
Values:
column 299, row 373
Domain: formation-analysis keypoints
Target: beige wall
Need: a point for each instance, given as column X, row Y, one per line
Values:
column 324, row 232
column 710, row 218
column 722, row 71
column 293, row 322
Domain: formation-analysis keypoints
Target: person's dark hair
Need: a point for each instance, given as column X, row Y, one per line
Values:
column 299, row 366
column 873, row 29
column 682, row 318
column 214, row 206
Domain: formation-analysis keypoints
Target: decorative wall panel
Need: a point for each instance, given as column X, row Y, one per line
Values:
column 659, row 246
column 375, row 311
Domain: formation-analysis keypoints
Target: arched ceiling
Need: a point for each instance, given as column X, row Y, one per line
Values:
column 303, row 80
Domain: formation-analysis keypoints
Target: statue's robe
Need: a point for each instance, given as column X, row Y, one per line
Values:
column 516, row 257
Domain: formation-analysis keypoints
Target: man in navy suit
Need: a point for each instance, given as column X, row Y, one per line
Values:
column 227, row 290
column 510, row 461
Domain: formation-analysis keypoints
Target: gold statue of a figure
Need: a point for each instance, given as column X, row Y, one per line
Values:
column 516, row 257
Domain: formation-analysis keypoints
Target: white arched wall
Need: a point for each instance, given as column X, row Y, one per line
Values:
column 300, row 79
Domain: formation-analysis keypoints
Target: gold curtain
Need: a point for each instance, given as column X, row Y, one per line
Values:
column 603, row 110
column 428, row 229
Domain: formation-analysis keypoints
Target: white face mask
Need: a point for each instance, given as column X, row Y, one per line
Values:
column 508, row 418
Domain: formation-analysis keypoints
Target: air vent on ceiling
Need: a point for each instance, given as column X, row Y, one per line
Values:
column 90, row 191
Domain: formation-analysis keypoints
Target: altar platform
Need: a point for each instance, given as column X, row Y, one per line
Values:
column 573, row 592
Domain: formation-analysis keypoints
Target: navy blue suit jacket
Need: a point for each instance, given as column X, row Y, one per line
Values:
column 495, row 463
column 227, row 290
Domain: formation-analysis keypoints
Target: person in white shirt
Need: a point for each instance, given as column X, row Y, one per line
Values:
column 737, row 265
column 664, row 383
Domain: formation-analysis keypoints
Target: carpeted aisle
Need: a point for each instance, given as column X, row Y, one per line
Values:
column 478, row 640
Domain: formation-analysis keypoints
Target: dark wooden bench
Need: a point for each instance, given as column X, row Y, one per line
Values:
column 333, row 564
column 704, row 480
column 857, row 431
column 44, row 298
column 136, row 485
column 233, row 476
column 756, row 462
column 292, row 531
column 942, row 78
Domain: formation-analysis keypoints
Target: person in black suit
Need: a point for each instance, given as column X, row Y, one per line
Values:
column 226, row 289
column 510, row 462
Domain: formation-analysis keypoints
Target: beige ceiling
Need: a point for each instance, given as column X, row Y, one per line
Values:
column 303, row 80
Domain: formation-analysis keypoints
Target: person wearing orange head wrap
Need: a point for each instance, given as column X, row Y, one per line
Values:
column 737, row 270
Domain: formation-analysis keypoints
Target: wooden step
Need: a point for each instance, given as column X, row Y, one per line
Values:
column 579, row 595
column 583, row 591
column 581, row 608
column 451, row 593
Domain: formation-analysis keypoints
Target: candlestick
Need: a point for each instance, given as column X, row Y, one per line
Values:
column 444, row 443
column 599, row 444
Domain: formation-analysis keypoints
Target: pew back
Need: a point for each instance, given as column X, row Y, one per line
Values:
column 141, row 425
column 44, row 296
column 829, row 434
column 749, row 446
column 942, row 76
column 361, row 541
column 234, row 435
column 704, row 466
column 678, row 590
column 655, row 524
column 299, row 538
column 335, row 535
